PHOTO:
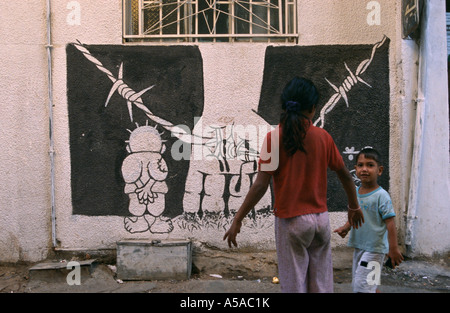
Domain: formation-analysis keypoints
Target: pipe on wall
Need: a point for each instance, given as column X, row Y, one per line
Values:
column 429, row 191
column 49, row 48
column 417, row 155
column 418, row 134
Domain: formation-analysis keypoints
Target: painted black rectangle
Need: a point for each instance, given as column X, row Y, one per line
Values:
column 99, row 132
column 358, row 77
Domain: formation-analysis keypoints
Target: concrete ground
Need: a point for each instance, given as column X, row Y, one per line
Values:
column 216, row 272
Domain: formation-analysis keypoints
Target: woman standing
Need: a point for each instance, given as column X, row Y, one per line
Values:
column 297, row 155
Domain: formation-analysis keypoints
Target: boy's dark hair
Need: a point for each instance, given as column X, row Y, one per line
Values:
column 370, row 153
column 299, row 94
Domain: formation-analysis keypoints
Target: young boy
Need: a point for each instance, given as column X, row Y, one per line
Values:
column 378, row 235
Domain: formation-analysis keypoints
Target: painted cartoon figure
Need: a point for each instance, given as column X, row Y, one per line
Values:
column 144, row 172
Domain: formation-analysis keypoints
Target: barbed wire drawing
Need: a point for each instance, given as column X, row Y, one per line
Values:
column 135, row 98
column 221, row 142
column 346, row 86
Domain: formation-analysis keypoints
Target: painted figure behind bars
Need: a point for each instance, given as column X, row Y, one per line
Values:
column 144, row 172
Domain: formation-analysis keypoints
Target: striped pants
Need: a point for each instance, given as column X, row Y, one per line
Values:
column 304, row 253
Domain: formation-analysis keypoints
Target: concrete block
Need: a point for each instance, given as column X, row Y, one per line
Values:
column 146, row 259
column 54, row 271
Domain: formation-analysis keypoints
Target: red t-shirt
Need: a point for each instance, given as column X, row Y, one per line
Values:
column 300, row 180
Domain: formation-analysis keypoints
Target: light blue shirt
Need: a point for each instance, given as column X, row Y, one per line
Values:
column 372, row 235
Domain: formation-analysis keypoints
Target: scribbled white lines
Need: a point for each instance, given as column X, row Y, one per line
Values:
column 133, row 97
column 349, row 82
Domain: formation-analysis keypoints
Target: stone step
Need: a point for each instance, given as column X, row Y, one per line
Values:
column 63, row 271
column 145, row 259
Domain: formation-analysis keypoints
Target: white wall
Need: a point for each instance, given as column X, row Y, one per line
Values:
column 430, row 208
column 343, row 22
column 25, row 228
column 24, row 161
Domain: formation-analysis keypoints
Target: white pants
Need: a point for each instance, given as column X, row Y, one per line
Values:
column 304, row 253
column 366, row 270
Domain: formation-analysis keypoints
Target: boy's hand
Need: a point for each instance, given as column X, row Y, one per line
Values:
column 342, row 231
column 396, row 256
column 394, row 252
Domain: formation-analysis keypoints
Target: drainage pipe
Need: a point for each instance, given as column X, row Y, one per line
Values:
column 418, row 131
column 49, row 48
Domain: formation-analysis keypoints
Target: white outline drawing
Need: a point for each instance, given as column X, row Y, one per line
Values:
column 135, row 98
column 144, row 171
column 349, row 82
column 351, row 152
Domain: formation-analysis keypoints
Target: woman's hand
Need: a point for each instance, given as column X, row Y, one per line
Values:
column 355, row 217
column 231, row 234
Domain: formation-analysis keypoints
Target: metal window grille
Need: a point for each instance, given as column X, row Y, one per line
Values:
column 210, row 20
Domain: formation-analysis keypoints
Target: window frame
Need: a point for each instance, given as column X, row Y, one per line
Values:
column 285, row 32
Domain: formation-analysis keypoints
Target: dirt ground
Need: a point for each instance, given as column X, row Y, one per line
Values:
column 223, row 271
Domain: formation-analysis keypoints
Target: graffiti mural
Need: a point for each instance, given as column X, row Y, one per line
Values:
column 140, row 149
column 119, row 136
column 144, row 172
column 218, row 181
column 353, row 81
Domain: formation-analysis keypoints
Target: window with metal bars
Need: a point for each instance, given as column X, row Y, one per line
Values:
column 210, row 20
